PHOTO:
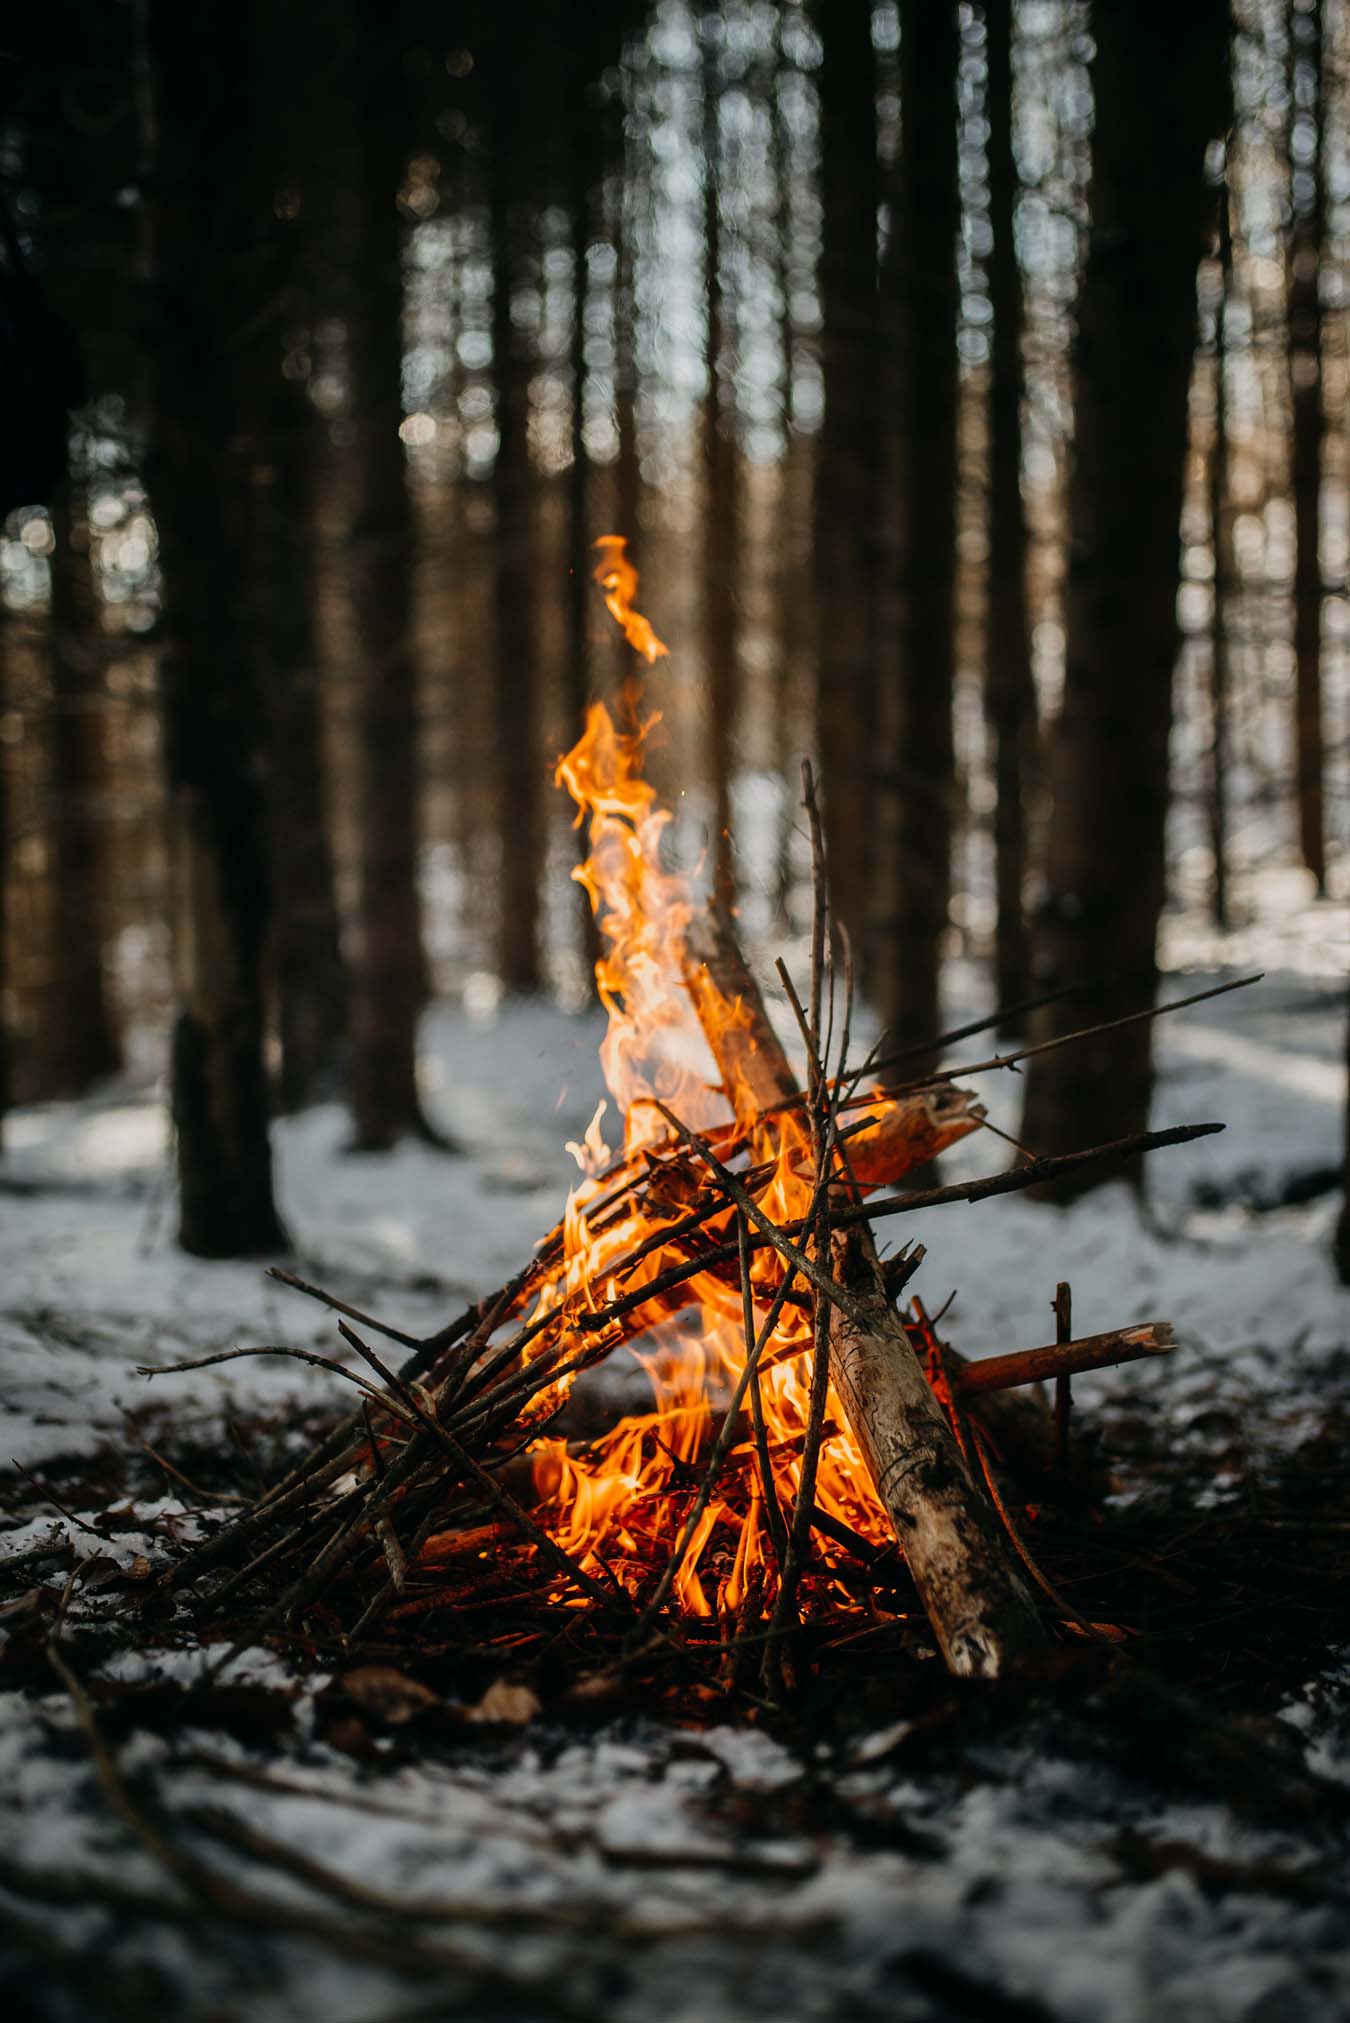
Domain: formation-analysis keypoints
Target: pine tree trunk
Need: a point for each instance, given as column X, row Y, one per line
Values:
column 721, row 517
column 1010, row 693
column 83, row 1041
column 581, row 593
column 1341, row 1244
column 4, row 874
column 628, row 478
column 791, row 568
column 200, row 256
column 1221, row 541
column 846, row 501
column 927, row 306
column 1105, row 869
column 308, row 975
column 515, row 676
column 1305, row 371
column 308, row 970
column 390, row 969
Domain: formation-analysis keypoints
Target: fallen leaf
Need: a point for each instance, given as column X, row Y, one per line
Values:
column 350, row 1737
column 389, row 1695
column 513, row 1706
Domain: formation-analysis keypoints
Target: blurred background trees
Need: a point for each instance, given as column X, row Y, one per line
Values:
column 970, row 381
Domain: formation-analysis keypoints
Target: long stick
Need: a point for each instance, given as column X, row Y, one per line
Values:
column 1010, row 1182
column 981, row 1614
column 1062, row 1359
column 877, row 1061
column 1153, row 1011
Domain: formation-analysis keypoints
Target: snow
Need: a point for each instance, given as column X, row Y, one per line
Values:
column 642, row 1870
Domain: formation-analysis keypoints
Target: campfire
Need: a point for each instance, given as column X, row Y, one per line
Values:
column 814, row 1456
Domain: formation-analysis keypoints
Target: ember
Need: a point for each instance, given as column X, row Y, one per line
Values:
column 801, row 1422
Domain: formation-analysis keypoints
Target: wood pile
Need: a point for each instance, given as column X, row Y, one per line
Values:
column 453, row 1504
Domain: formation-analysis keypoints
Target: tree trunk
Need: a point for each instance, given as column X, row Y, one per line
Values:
column 922, row 268
column 1105, row 869
column 390, row 971
column 846, row 488
column 83, row 1043
column 4, row 874
column 792, row 586
column 516, row 681
column 308, row 974
column 628, row 477
column 1341, row 1245
column 1307, row 100
column 1225, row 573
column 720, row 504
column 308, row 970
column 202, row 259
column 1010, row 692
column 581, row 598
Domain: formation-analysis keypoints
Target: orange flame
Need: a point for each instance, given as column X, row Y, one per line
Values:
column 621, row 1502
column 619, row 580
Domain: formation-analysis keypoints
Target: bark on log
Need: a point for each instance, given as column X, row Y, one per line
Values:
column 756, row 1074
column 1089, row 1352
column 982, row 1615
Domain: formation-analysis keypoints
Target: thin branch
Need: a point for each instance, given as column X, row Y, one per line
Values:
column 289, row 1278
column 1154, row 1011
column 768, row 1487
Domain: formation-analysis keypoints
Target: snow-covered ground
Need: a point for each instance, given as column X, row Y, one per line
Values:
column 641, row 1870
column 94, row 1285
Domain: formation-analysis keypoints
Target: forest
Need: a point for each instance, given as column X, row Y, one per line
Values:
column 577, row 585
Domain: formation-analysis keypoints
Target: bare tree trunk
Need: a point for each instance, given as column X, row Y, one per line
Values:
column 84, row 1043
column 201, row 258
column 1342, row 1238
column 1105, row 870
column 308, row 974
column 4, row 873
column 845, row 504
column 1307, row 100
column 390, row 971
column 1010, row 691
column 923, row 271
column 791, row 568
column 1221, row 539
column 515, row 677
column 721, row 517
column 581, row 598
column 628, row 485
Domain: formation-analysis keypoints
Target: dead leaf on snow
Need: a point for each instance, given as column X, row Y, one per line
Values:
column 389, row 1695
column 513, row 1706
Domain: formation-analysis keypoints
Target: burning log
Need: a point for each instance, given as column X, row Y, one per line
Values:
column 757, row 1075
column 982, row 1616
column 753, row 1061
column 981, row 1613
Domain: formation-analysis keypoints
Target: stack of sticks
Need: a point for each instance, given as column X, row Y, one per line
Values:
column 425, row 1502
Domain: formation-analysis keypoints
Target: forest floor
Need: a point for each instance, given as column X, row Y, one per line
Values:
column 1166, row 1839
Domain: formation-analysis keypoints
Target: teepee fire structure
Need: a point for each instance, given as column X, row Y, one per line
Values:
column 813, row 1452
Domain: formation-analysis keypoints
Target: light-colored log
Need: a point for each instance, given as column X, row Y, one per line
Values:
column 1064, row 1359
column 982, row 1616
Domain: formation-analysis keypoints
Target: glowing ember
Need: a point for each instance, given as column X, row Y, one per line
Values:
column 620, row 1502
